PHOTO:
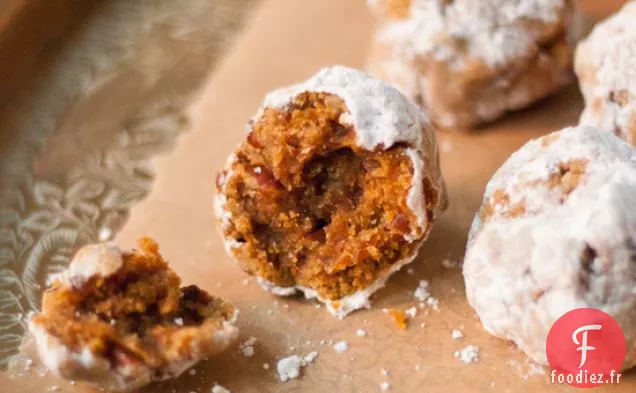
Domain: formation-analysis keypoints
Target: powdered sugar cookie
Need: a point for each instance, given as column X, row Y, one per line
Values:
column 335, row 188
column 468, row 61
column 556, row 231
column 118, row 320
column 605, row 67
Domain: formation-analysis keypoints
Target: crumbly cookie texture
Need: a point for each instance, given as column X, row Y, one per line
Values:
column 556, row 231
column 469, row 62
column 605, row 67
column 335, row 188
column 119, row 320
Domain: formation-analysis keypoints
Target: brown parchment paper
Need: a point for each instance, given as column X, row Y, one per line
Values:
column 287, row 41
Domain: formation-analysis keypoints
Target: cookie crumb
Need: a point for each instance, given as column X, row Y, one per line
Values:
column 410, row 271
column 456, row 334
column 289, row 367
column 449, row 263
column 193, row 372
column 247, row 348
column 384, row 386
column 470, row 354
column 361, row 333
column 219, row 389
column 341, row 346
column 266, row 366
column 398, row 317
column 411, row 312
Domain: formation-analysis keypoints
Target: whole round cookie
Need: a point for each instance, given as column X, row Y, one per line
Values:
column 605, row 67
column 556, row 231
column 335, row 188
column 119, row 320
column 469, row 62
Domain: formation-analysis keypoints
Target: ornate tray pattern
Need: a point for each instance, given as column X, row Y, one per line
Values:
column 77, row 139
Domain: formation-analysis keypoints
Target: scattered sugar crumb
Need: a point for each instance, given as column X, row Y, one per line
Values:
column 492, row 384
column 286, row 306
column 270, row 312
column 318, row 306
column 384, row 386
column 289, row 367
column 322, row 342
column 341, row 346
column 417, row 367
column 361, row 333
column 219, row 389
column 410, row 271
column 470, row 354
column 456, row 334
column 73, row 383
column 258, row 169
column 310, row 357
column 247, row 348
column 411, row 312
column 423, row 324
column 54, row 388
column 178, row 321
column 384, row 371
column 449, row 263
column 422, row 294
column 266, row 366
column 245, row 281
column 292, row 348
column 193, row 372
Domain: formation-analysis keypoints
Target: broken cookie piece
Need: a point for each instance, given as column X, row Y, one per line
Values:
column 556, row 231
column 119, row 320
column 334, row 189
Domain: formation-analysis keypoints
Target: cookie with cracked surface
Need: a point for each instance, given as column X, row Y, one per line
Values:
column 605, row 67
column 556, row 231
column 335, row 188
column 119, row 320
column 469, row 62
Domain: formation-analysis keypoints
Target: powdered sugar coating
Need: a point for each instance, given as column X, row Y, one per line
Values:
column 605, row 66
column 490, row 28
column 379, row 113
column 346, row 305
column 513, row 52
column 562, row 251
column 102, row 259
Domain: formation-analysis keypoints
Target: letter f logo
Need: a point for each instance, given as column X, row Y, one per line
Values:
column 584, row 347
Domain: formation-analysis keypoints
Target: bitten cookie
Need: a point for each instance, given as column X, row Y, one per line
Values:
column 605, row 65
column 470, row 61
column 556, row 231
column 334, row 189
column 118, row 320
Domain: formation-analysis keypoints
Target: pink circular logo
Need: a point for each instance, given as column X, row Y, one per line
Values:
column 586, row 348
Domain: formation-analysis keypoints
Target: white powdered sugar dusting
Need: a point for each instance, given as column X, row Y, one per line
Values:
column 492, row 30
column 380, row 113
column 525, row 270
column 605, row 66
column 468, row 355
column 289, row 367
